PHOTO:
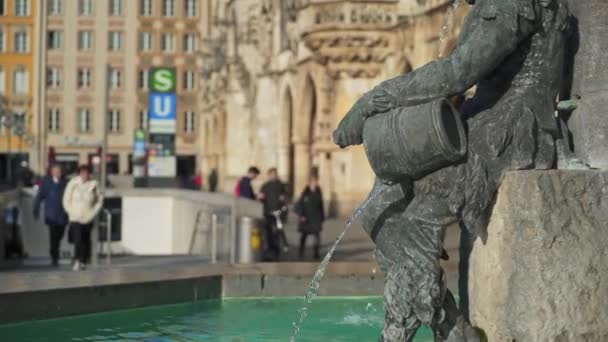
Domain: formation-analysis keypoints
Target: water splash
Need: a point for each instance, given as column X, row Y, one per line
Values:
column 448, row 26
column 313, row 289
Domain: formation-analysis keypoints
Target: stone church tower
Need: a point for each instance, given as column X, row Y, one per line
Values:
column 279, row 75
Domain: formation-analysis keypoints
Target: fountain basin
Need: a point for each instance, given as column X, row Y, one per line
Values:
column 330, row 319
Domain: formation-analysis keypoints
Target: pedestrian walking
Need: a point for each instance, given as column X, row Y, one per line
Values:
column 273, row 195
column 311, row 214
column 82, row 201
column 244, row 188
column 50, row 195
column 213, row 181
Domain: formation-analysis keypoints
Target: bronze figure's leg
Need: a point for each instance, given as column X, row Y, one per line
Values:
column 409, row 231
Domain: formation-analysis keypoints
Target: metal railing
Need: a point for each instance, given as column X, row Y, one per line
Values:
column 212, row 233
column 108, row 242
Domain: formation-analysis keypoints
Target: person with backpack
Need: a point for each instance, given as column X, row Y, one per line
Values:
column 243, row 187
column 50, row 194
column 82, row 201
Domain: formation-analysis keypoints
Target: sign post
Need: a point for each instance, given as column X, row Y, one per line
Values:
column 139, row 159
column 162, row 164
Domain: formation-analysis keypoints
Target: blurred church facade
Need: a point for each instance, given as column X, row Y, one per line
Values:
column 279, row 75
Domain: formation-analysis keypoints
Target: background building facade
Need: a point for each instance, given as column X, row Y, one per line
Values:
column 19, row 75
column 279, row 76
column 93, row 43
column 90, row 44
column 169, row 36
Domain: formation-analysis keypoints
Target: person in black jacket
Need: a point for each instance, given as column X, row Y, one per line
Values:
column 51, row 193
column 311, row 215
column 274, row 197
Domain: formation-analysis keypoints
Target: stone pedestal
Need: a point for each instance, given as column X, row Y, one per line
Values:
column 589, row 123
column 542, row 274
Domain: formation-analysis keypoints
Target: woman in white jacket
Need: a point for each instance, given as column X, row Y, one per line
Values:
column 82, row 201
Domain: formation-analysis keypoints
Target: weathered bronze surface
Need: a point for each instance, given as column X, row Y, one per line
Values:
column 513, row 50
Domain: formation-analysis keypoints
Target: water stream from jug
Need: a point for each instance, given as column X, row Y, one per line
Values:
column 446, row 30
column 313, row 289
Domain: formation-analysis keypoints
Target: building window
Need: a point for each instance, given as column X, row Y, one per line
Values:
column 115, row 41
column 85, row 40
column 145, row 7
column 168, row 42
column 143, row 119
column 54, row 120
column 53, row 77
column 168, row 8
column 2, row 39
column 2, row 82
column 115, row 78
column 84, row 120
column 189, row 80
column 20, row 81
column 115, row 7
column 190, row 43
column 84, row 78
column 145, row 41
column 189, row 122
column 21, row 42
column 55, row 7
column 54, row 40
column 114, row 121
column 85, row 7
column 190, row 8
column 3, row 7
column 22, row 8
column 144, row 76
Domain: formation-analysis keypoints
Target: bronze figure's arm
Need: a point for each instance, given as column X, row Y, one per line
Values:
column 491, row 33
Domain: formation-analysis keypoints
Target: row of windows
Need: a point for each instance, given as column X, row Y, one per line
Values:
column 85, row 7
column 115, row 41
column 20, row 81
column 168, row 42
column 21, row 8
column 116, row 7
column 84, row 120
column 85, row 40
column 21, row 40
column 168, row 8
column 115, row 78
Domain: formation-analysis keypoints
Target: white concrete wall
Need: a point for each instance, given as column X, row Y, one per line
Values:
column 161, row 222
column 147, row 225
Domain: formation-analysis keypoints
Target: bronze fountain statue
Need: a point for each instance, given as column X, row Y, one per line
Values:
column 441, row 165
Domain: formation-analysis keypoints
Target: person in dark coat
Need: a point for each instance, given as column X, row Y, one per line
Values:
column 213, row 180
column 274, row 198
column 244, row 187
column 311, row 215
column 55, row 217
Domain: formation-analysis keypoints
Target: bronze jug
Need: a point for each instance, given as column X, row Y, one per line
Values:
column 412, row 142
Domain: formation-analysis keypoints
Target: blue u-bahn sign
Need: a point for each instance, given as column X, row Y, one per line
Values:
column 163, row 113
column 162, row 118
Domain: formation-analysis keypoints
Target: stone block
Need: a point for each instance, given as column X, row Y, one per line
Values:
column 589, row 123
column 542, row 274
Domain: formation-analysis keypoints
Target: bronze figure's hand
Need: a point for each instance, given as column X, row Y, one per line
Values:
column 350, row 129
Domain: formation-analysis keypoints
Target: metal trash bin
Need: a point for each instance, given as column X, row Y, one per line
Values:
column 248, row 241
